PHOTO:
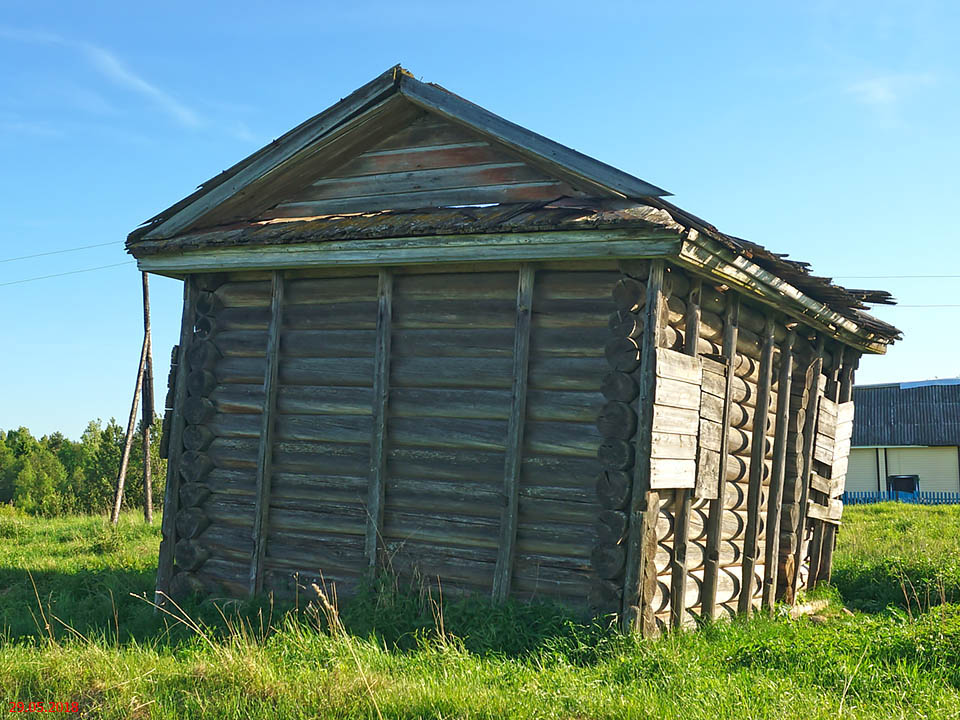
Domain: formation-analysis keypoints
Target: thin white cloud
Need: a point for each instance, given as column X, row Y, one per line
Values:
column 113, row 69
column 886, row 91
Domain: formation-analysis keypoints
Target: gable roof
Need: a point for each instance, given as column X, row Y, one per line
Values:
column 368, row 115
column 403, row 159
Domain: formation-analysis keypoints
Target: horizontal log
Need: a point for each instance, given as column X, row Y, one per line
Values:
column 443, row 312
column 208, row 303
column 200, row 383
column 731, row 553
column 197, row 437
column 185, row 585
column 623, row 354
column 193, row 494
column 619, row 386
column 561, row 438
column 327, row 290
column 189, row 555
column 613, row 489
column 637, row 269
column 616, row 454
column 605, row 596
column 203, row 355
column 728, row 588
column 445, row 530
column 195, row 466
column 198, row 410
column 444, row 497
column 575, row 373
column 617, row 420
column 629, row 294
column 347, row 315
column 733, row 524
column 323, row 343
column 250, row 293
column 191, row 522
column 318, row 457
column 624, row 324
column 608, row 560
column 611, row 526
column 205, row 327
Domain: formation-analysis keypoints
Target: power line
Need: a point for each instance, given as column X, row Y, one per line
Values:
column 71, row 272
column 894, row 277
column 58, row 252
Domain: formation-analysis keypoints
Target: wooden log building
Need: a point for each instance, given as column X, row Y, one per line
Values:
column 418, row 337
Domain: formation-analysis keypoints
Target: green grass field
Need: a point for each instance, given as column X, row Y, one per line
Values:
column 71, row 631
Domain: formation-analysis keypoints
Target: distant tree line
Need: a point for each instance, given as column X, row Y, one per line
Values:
column 54, row 475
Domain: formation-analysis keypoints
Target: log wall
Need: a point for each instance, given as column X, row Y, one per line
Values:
column 522, row 431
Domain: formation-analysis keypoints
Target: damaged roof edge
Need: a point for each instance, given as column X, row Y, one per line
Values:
column 181, row 216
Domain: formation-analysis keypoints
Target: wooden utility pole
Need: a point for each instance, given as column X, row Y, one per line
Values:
column 146, row 388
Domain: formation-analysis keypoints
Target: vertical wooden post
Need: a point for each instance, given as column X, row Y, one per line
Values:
column 146, row 421
column 684, row 497
column 644, row 504
column 823, row 533
column 711, row 569
column 378, row 441
column 757, row 453
column 514, row 447
column 128, row 438
column 843, row 393
column 809, row 440
column 775, row 499
column 267, row 423
column 171, row 501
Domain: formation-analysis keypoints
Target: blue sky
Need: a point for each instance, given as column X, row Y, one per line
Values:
column 826, row 130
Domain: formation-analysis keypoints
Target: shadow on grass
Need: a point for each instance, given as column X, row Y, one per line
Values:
column 116, row 605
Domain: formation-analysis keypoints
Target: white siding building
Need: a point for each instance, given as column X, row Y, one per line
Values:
column 906, row 429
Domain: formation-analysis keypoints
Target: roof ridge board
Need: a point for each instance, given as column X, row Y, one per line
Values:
column 315, row 128
column 527, row 143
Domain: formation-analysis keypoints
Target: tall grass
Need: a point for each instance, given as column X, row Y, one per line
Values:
column 898, row 554
column 397, row 652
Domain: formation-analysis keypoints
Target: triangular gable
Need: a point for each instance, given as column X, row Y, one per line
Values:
column 394, row 107
column 430, row 163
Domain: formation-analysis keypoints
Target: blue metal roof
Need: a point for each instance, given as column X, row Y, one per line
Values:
column 914, row 413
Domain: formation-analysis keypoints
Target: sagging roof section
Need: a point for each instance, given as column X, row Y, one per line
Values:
column 925, row 413
column 401, row 158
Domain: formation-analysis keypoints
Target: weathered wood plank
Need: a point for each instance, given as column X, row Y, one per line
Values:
column 644, row 504
column 268, row 420
column 568, row 245
column 757, row 454
column 514, row 446
column 679, row 569
column 381, row 395
column 775, row 499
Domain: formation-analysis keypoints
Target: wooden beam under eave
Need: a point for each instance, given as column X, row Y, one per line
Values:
column 514, row 446
column 489, row 247
column 767, row 288
column 267, row 422
column 378, row 444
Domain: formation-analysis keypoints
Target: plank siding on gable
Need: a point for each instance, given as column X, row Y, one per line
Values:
column 429, row 163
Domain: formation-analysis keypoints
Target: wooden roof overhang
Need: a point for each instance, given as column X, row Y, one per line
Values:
column 254, row 216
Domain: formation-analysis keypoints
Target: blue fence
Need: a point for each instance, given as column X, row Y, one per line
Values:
column 920, row 498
